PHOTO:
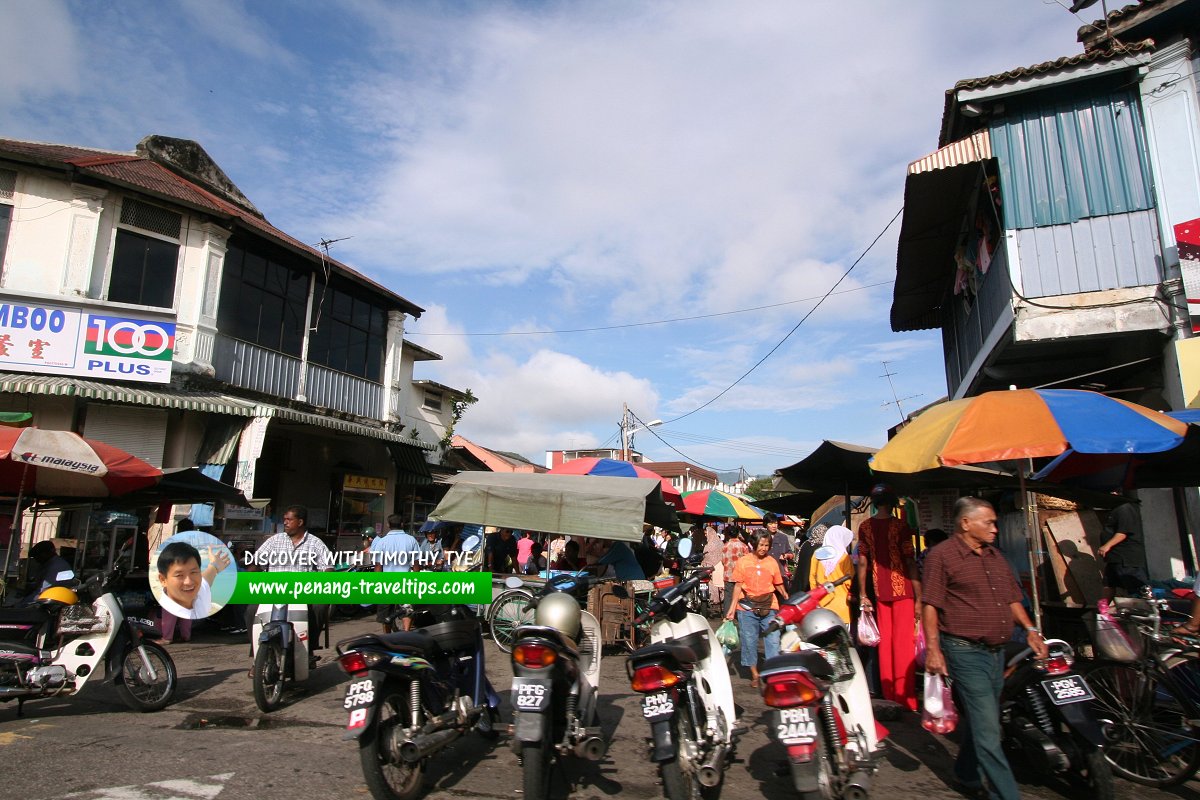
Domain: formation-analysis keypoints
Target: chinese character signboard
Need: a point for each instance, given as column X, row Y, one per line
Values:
column 59, row 340
column 364, row 483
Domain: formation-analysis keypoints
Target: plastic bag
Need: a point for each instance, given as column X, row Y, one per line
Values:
column 727, row 634
column 939, row 714
column 919, row 656
column 868, row 631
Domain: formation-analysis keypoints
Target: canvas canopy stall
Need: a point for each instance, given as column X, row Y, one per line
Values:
column 579, row 505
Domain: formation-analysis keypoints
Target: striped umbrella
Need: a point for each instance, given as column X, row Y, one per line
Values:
column 615, row 468
column 715, row 503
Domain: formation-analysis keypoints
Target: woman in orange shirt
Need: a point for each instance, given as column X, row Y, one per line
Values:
column 758, row 588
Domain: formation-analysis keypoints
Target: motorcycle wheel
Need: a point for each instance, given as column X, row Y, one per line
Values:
column 268, row 676
column 509, row 611
column 536, row 758
column 388, row 776
column 1099, row 777
column 679, row 783
column 141, row 692
column 1152, row 742
column 824, row 790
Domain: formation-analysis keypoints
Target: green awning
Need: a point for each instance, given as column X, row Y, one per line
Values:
column 576, row 505
column 411, row 467
column 210, row 402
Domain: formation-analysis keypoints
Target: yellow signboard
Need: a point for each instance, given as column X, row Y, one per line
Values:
column 1188, row 353
column 364, row 483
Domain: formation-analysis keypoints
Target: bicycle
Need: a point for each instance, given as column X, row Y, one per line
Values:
column 510, row 610
column 1147, row 687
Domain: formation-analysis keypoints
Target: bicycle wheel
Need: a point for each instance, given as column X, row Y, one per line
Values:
column 508, row 612
column 1153, row 739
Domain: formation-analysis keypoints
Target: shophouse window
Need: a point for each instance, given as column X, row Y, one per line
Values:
column 263, row 297
column 433, row 400
column 8, row 188
column 145, row 255
column 348, row 333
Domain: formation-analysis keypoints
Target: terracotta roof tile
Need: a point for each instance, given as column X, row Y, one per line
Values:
column 1045, row 67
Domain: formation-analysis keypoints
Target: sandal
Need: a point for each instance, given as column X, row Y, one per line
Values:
column 754, row 683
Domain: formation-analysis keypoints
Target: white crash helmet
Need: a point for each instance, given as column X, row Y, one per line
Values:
column 820, row 625
column 561, row 611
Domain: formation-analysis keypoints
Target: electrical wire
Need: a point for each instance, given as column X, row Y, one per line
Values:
column 796, row 327
column 685, row 456
column 643, row 324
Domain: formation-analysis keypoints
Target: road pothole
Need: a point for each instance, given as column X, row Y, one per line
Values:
column 203, row 722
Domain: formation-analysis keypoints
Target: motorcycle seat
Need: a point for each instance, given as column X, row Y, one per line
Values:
column 810, row 661
column 30, row 615
column 680, row 653
column 416, row 643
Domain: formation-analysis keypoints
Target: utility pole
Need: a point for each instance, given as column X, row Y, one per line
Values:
column 626, row 424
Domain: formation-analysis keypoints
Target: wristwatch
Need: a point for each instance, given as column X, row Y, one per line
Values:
column 1031, row 629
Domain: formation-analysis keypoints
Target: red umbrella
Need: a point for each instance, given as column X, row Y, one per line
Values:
column 614, row 468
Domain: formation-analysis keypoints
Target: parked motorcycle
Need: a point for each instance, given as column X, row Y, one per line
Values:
column 556, row 680
column 688, row 696
column 822, row 703
column 1049, row 719
column 52, row 648
column 413, row 693
column 279, row 640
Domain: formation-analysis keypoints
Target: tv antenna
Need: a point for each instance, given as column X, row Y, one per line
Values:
column 895, row 401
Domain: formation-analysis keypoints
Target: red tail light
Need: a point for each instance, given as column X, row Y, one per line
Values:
column 653, row 678
column 801, row 753
column 535, row 656
column 790, row 689
column 353, row 662
column 1057, row 665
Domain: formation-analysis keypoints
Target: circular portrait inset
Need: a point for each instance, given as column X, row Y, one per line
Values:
column 192, row 575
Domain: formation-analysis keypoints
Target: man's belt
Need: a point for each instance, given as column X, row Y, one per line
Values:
column 975, row 643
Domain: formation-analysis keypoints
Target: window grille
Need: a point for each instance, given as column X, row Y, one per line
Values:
column 8, row 184
column 433, row 400
column 137, row 214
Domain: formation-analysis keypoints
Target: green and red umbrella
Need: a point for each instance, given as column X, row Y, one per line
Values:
column 715, row 503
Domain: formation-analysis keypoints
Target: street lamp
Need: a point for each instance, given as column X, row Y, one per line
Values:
column 628, row 429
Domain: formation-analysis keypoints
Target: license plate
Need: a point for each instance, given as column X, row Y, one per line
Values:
column 657, row 706
column 795, row 726
column 359, row 696
column 1068, row 689
column 530, row 694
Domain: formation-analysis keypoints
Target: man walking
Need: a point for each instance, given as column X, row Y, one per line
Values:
column 296, row 550
column 971, row 603
column 395, row 551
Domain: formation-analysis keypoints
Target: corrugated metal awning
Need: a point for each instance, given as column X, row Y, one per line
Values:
column 975, row 147
column 339, row 424
column 211, row 402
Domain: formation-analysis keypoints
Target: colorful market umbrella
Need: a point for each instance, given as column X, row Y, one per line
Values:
column 1026, row 423
column 715, row 503
column 614, row 468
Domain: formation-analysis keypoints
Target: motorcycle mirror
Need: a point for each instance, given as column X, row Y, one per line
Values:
column 684, row 547
column 513, row 582
column 470, row 544
column 825, row 552
column 65, row 575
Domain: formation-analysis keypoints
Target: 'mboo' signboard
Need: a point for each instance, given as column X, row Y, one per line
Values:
column 58, row 340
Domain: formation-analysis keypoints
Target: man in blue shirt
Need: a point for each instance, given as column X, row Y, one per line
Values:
column 395, row 551
column 624, row 563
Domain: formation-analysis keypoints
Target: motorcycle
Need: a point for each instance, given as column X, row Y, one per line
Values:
column 556, row 680
column 279, row 638
column 1049, row 719
column 52, row 649
column 823, row 714
column 413, row 693
column 687, row 694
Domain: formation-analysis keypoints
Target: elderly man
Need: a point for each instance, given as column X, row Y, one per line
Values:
column 971, row 604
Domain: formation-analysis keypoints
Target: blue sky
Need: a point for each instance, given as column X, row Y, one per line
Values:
column 526, row 167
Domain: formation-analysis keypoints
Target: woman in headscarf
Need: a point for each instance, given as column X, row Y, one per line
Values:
column 830, row 562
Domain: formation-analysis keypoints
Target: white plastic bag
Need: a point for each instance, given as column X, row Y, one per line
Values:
column 868, row 631
column 939, row 714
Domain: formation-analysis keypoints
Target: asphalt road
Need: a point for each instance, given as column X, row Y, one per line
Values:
column 213, row 743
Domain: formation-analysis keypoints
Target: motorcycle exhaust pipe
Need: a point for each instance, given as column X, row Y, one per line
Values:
column 427, row 744
column 858, row 786
column 592, row 748
column 709, row 773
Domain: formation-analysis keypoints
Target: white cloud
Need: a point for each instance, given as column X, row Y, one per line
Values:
column 39, row 51
column 229, row 25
